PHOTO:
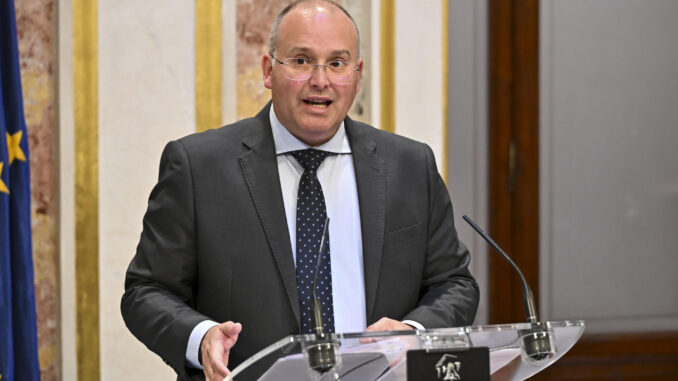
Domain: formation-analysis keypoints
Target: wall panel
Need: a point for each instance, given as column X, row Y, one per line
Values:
column 418, row 73
column 467, row 131
column 609, row 169
column 146, row 98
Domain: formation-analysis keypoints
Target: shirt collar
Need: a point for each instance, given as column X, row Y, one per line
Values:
column 286, row 142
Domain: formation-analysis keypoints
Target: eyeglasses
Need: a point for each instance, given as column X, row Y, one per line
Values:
column 301, row 69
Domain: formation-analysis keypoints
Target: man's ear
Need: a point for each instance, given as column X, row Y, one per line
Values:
column 266, row 69
column 360, row 74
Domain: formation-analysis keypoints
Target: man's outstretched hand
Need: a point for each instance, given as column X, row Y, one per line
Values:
column 215, row 348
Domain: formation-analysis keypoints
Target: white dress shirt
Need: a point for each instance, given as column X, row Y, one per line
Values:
column 337, row 178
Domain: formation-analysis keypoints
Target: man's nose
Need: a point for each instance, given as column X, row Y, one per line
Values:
column 319, row 76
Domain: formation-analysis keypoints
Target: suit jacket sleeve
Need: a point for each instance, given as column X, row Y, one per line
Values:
column 157, row 305
column 449, row 295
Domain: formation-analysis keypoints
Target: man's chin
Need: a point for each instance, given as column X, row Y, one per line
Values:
column 315, row 135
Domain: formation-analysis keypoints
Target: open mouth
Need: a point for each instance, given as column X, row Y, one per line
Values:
column 319, row 103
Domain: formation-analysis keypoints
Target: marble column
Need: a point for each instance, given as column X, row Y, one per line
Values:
column 36, row 27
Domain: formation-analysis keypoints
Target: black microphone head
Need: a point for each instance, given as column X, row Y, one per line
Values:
column 538, row 344
column 321, row 352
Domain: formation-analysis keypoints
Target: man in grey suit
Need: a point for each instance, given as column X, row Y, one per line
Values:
column 216, row 276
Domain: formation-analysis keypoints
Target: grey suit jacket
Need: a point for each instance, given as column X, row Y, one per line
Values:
column 215, row 243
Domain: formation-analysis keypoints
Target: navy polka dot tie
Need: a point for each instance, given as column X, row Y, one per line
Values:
column 311, row 215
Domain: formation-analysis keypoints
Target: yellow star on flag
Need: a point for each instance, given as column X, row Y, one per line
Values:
column 13, row 148
column 3, row 187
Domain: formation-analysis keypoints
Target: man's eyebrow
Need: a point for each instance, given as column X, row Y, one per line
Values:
column 342, row 52
column 310, row 52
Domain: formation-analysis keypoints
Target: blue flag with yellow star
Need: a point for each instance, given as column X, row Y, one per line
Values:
column 18, row 328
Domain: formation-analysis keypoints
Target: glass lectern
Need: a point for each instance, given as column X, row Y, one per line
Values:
column 516, row 352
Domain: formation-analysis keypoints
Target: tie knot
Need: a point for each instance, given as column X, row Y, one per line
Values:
column 310, row 158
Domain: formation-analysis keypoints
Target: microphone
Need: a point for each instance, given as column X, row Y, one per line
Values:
column 537, row 342
column 321, row 356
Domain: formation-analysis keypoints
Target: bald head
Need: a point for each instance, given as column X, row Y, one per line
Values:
column 308, row 4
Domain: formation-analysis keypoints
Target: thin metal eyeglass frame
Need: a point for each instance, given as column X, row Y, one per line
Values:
column 327, row 67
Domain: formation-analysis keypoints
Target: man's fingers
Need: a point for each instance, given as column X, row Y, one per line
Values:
column 377, row 326
column 386, row 324
column 208, row 369
column 230, row 328
column 229, row 331
column 216, row 348
column 213, row 362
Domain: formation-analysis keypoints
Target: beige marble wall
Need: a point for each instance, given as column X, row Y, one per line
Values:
column 36, row 27
column 146, row 98
column 253, row 23
column 419, row 108
column 361, row 11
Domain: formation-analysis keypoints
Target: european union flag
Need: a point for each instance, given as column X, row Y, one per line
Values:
column 18, row 328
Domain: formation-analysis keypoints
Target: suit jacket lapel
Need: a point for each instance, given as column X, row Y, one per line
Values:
column 370, row 173
column 259, row 166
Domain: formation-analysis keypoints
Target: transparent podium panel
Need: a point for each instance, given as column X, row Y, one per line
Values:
column 517, row 351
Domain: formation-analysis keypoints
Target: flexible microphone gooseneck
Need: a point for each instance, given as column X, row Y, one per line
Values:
column 528, row 299
column 537, row 341
column 317, row 316
column 321, row 356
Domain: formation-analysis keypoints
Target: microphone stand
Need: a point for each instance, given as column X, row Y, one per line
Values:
column 321, row 356
column 537, row 342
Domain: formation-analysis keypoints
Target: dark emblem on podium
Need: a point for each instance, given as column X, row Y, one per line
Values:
column 448, row 368
column 452, row 364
